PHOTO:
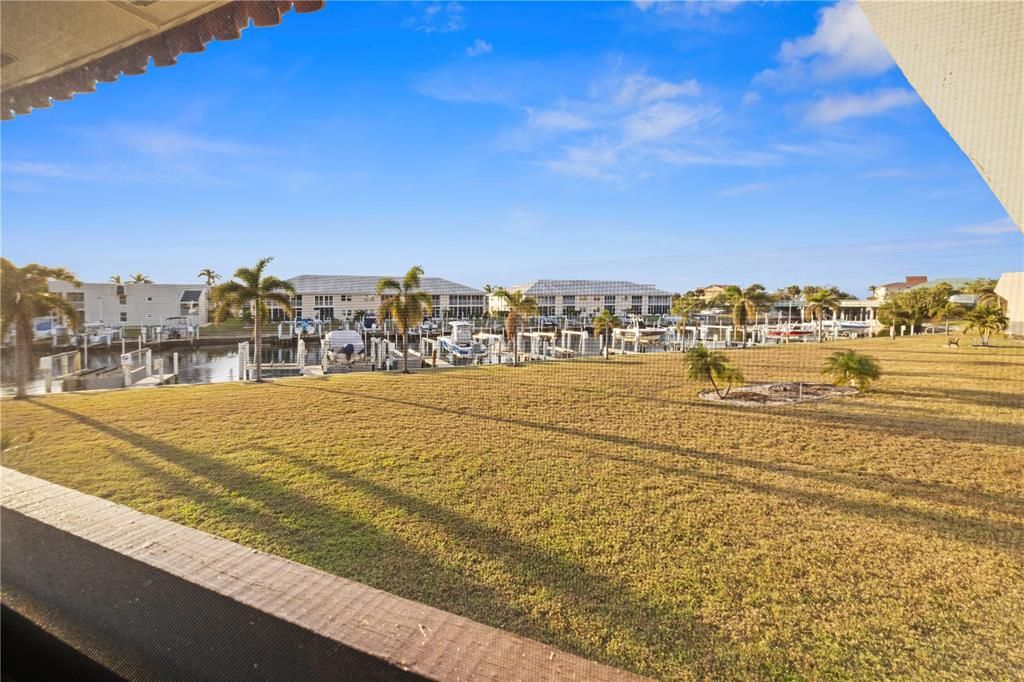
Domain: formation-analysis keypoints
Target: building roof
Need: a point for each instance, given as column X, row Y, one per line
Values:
column 54, row 50
column 367, row 284
column 570, row 287
column 955, row 282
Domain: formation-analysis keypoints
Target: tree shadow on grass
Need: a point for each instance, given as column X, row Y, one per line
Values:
column 963, row 395
column 322, row 536
column 986, row 533
column 616, row 606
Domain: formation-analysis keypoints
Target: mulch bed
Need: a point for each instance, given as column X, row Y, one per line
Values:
column 783, row 393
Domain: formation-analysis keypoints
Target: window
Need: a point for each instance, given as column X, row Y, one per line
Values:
column 323, row 301
column 120, row 290
column 659, row 305
column 609, row 303
column 124, row 317
column 75, row 297
column 636, row 305
column 123, row 299
column 345, row 297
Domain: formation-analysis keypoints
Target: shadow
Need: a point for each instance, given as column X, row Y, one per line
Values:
column 966, row 395
column 978, row 531
column 611, row 602
column 290, row 524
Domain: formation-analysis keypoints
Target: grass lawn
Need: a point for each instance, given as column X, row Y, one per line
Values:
column 601, row 507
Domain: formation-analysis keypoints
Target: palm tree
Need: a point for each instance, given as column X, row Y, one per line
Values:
column 253, row 290
column 705, row 365
column 818, row 302
column 116, row 279
column 988, row 320
column 850, row 368
column 944, row 312
column 139, row 278
column 745, row 303
column 24, row 295
column 604, row 323
column 519, row 306
column 405, row 304
column 210, row 275
column 985, row 291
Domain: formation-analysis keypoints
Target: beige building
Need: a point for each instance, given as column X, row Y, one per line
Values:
column 135, row 305
column 586, row 298
column 883, row 291
column 713, row 291
column 1011, row 288
column 339, row 297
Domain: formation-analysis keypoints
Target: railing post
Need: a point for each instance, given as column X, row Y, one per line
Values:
column 175, row 364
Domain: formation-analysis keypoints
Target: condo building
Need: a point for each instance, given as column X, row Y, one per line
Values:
column 134, row 304
column 339, row 297
column 586, row 298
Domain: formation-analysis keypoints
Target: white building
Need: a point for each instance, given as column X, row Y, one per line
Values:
column 340, row 296
column 135, row 305
column 586, row 298
column 1011, row 289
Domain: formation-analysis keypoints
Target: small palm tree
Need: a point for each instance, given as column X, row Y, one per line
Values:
column 139, row 278
column 605, row 323
column 745, row 303
column 116, row 279
column 706, row 365
column 210, row 275
column 820, row 301
column 254, row 291
column 988, row 320
column 944, row 312
column 519, row 306
column 24, row 295
column 404, row 303
column 850, row 368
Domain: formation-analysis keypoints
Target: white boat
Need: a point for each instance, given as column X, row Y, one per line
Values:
column 637, row 331
column 342, row 345
column 460, row 342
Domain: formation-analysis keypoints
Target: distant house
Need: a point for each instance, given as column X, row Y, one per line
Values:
column 586, row 297
column 883, row 291
column 135, row 304
column 713, row 291
column 1011, row 289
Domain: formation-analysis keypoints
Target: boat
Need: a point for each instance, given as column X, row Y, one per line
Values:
column 460, row 343
column 638, row 331
column 342, row 345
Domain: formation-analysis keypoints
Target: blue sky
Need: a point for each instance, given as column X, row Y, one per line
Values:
column 676, row 144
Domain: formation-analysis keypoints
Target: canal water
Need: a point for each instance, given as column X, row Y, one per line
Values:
column 202, row 365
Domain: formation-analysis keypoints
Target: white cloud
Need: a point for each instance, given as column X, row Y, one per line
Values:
column 1001, row 226
column 591, row 161
column 556, row 119
column 438, row 18
column 750, row 97
column 748, row 188
column 843, row 44
column 693, row 8
column 479, row 47
column 658, row 121
column 641, row 88
column 835, row 108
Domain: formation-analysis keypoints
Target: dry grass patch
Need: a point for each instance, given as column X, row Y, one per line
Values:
column 603, row 507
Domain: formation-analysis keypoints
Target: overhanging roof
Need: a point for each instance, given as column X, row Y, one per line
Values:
column 966, row 61
column 53, row 50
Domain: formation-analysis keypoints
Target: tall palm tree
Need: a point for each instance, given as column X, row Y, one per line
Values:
column 139, row 278
column 25, row 294
column 519, row 306
column 850, row 368
column 706, row 365
column 210, row 275
column 253, row 290
column 604, row 323
column 745, row 303
column 946, row 311
column 818, row 302
column 404, row 303
column 116, row 279
column 988, row 320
